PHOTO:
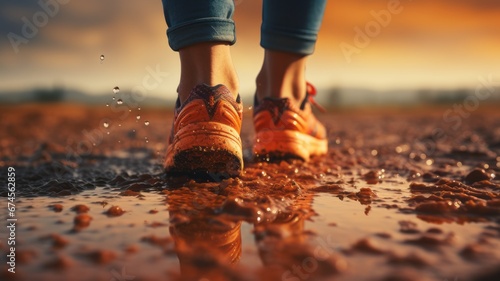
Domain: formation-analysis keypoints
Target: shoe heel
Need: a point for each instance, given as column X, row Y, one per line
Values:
column 206, row 149
column 285, row 144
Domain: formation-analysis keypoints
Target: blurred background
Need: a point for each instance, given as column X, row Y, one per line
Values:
column 369, row 52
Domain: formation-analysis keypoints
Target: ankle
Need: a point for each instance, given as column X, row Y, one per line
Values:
column 282, row 76
column 208, row 63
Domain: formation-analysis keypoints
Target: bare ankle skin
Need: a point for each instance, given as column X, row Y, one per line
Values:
column 208, row 63
column 282, row 76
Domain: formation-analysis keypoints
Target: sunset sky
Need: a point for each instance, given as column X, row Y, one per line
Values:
column 428, row 43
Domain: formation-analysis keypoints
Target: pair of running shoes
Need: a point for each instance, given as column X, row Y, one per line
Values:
column 205, row 136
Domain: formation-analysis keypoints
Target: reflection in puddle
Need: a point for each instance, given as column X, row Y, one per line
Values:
column 237, row 230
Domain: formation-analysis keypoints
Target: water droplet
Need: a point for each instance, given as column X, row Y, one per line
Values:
column 107, row 105
column 107, row 132
column 374, row 152
column 133, row 130
column 138, row 108
column 101, row 58
column 146, row 123
column 114, row 98
column 116, row 90
column 119, row 101
column 250, row 108
column 138, row 117
column 105, row 124
column 130, row 110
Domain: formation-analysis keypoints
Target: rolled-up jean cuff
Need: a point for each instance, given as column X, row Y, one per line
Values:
column 291, row 41
column 201, row 30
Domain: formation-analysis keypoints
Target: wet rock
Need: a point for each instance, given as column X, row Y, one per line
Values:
column 329, row 188
column 374, row 177
column 80, row 209
column 60, row 262
column 365, row 195
column 82, row 221
column 114, row 211
column 56, row 207
column 430, row 177
column 474, row 252
column 436, row 207
column 367, row 245
column 476, row 175
column 129, row 192
column 434, row 230
column 101, row 256
column 130, row 249
column 431, row 242
column 413, row 260
column 58, row 241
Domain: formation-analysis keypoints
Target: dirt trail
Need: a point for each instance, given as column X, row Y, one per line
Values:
column 401, row 195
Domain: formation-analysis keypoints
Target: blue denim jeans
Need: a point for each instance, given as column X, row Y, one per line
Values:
column 287, row 25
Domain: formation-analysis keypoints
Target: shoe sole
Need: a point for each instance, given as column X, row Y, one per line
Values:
column 287, row 144
column 207, row 150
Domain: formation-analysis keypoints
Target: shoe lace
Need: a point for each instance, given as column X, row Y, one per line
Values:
column 311, row 92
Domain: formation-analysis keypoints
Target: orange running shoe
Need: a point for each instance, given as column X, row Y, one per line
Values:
column 283, row 130
column 205, row 138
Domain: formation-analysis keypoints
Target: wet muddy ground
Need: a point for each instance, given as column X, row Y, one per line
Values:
column 403, row 194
